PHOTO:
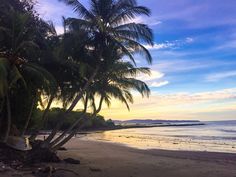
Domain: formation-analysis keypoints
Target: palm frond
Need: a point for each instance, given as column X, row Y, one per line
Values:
column 139, row 48
column 129, row 14
column 79, row 9
column 14, row 76
column 138, row 30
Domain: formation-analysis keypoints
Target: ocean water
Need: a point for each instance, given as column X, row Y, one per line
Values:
column 212, row 137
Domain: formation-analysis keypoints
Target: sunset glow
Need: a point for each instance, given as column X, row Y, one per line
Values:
column 194, row 67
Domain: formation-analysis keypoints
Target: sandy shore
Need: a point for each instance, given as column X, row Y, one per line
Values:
column 99, row 159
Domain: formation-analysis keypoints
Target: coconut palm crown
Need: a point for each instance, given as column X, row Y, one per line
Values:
column 113, row 21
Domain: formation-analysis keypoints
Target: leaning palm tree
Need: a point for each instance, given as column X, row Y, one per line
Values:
column 16, row 73
column 117, row 81
column 107, row 22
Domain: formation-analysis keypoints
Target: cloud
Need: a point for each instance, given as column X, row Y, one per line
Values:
column 230, row 44
column 179, row 65
column 219, row 76
column 158, row 84
column 170, row 44
column 189, row 40
column 152, row 80
column 154, row 75
column 190, row 98
column 151, row 21
column 181, row 105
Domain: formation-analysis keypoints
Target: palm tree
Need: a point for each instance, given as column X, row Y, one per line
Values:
column 116, row 82
column 107, row 22
column 111, row 21
column 19, row 41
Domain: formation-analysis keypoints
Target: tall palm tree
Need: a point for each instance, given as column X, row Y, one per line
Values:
column 112, row 21
column 107, row 22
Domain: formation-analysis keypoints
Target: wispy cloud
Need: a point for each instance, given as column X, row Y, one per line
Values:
column 173, row 66
column 170, row 44
column 230, row 44
column 219, row 76
column 151, row 21
column 190, row 98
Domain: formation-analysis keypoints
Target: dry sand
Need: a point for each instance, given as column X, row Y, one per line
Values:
column 100, row 159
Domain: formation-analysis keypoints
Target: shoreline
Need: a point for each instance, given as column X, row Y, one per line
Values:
column 120, row 127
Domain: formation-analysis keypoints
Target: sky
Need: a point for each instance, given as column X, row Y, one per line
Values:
column 194, row 59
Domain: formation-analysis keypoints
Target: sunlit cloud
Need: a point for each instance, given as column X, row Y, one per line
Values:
column 159, row 84
column 176, row 106
column 153, row 76
column 198, row 53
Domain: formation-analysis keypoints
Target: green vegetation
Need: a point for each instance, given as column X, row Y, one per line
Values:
column 83, row 65
column 89, row 122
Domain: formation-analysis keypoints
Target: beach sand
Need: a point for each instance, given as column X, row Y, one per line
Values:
column 101, row 159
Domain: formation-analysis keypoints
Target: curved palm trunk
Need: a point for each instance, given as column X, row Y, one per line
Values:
column 8, row 118
column 2, row 105
column 66, row 132
column 56, row 147
column 44, row 118
column 65, row 140
column 72, row 106
column 1, row 110
column 29, row 117
column 58, row 139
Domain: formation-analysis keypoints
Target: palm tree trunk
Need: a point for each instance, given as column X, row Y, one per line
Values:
column 56, row 147
column 65, row 140
column 72, row 106
column 8, row 118
column 2, row 106
column 100, row 106
column 58, row 139
column 1, row 116
column 44, row 118
column 29, row 117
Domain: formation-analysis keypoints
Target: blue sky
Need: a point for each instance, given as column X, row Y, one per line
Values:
column 194, row 59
